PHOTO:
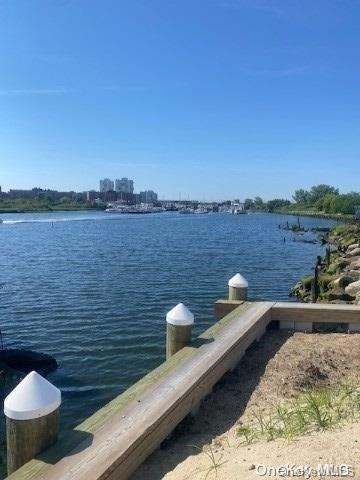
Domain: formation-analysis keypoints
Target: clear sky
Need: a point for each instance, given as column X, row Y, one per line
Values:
column 211, row 98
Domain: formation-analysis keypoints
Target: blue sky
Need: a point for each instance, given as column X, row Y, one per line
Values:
column 211, row 98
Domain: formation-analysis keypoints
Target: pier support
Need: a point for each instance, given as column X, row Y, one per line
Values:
column 32, row 419
column 238, row 287
column 179, row 322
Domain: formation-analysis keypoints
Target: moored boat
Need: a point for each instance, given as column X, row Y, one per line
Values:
column 187, row 211
column 133, row 209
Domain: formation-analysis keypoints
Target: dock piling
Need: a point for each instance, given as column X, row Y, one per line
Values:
column 32, row 419
column 179, row 322
column 327, row 256
column 238, row 287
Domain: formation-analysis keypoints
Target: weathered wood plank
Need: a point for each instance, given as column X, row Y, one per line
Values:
column 305, row 312
column 223, row 307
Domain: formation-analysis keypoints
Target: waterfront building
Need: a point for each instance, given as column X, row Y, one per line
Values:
column 106, row 185
column 91, row 195
column 124, row 185
column 44, row 194
column 148, row 196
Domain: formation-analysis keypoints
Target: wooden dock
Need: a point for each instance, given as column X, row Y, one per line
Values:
column 113, row 442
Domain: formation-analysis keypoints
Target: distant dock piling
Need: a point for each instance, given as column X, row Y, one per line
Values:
column 238, row 287
column 179, row 322
column 32, row 419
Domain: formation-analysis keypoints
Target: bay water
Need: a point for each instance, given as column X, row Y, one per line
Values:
column 92, row 289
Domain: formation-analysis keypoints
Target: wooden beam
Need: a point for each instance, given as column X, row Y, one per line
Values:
column 223, row 307
column 315, row 313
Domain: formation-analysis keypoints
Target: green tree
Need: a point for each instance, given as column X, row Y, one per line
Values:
column 301, row 196
column 277, row 203
column 325, row 204
column 249, row 204
column 345, row 203
column 319, row 191
column 258, row 203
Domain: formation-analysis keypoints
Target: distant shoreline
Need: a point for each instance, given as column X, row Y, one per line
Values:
column 327, row 216
column 49, row 210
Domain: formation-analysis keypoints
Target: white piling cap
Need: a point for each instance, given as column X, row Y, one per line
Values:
column 180, row 315
column 238, row 281
column 34, row 397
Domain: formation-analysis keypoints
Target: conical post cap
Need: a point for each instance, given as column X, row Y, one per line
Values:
column 238, row 281
column 33, row 397
column 180, row 315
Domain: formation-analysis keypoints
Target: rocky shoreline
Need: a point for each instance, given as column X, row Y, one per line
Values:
column 336, row 277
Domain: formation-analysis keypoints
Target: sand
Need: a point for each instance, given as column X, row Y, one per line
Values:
column 279, row 367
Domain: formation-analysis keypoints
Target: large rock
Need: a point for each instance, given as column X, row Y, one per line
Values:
column 343, row 281
column 353, row 289
column 355, row 265
column 338, row 294
column 354, row 274
column 344, row 262
column 353, row 246
column 353, row 253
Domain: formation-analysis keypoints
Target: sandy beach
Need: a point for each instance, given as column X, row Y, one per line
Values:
column 280, row 367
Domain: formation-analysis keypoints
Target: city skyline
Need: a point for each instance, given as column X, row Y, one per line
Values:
column 211, row 99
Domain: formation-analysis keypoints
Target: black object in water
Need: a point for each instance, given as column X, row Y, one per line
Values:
column 24, row 361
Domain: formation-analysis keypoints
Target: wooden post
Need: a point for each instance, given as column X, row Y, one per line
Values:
column 315, row 286
column 32, row 419
column 179, row 322
column 327, row 256
column 238, row 287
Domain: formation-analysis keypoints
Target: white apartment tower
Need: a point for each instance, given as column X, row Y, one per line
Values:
column 124, row 185
column 106, row 185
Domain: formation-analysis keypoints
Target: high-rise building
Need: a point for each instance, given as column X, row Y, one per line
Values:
column 148, row 196
column 124, row 185
column 106, row 185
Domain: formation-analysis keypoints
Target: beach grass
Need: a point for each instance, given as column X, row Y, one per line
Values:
column 312, row 411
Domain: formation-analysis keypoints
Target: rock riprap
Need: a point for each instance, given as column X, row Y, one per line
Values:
column 339, row 280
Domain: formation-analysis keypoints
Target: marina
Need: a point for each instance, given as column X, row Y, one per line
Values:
column 133, row 209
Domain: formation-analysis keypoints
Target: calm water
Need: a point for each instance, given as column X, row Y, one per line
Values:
column 93, row 289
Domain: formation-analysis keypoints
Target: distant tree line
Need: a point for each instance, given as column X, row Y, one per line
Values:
column 321, row 198
column 258, row 204
column 327, row 199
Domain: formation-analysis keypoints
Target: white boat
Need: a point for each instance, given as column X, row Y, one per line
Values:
column 134, row 209
column 201, row 211
column 187, row 211
column 239, row 211
column 237, row 208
